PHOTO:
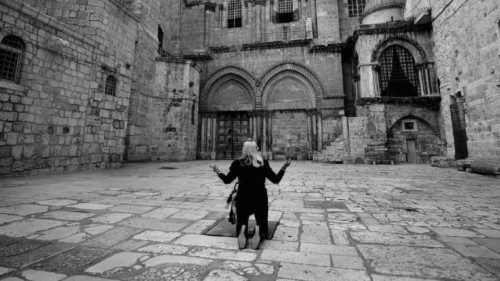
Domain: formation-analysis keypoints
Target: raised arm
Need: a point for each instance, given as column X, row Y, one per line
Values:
column 274, row 178
column 233, row 173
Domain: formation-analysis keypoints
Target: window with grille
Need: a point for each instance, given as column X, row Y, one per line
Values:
column 398, row 73
column 110, row 86
column 285, row 11
column 234, row 14
column 12, row 50
column 356, row 7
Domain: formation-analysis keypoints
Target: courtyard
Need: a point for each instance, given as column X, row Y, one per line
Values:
column 336, row 222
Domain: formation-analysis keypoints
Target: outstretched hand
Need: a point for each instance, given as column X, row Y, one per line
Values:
column 287, row 163
column 215, row 168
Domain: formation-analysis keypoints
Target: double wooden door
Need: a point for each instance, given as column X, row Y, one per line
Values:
column 232, row 131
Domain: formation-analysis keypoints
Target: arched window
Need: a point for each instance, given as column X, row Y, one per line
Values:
column 110, row 88
column 356, row 7
column 234, row 14
column 12, row 50
column 398, row 74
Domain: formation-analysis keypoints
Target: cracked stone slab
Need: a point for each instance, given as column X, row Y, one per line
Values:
column 111, row 237
column 315, row 234
column 155, row 224
column 207, row 241
column 314, row 273
column 223, row 254
column 157, row 236
column 170, row 259
column 124, row 259
column 71, row 260
column 129, row 245
column 111, row 218
column 224, row 275
column 328, row 249
column 28, row 227
column 87, row 278
column 199, row 226
column 190, row 214
column 280, row 245
column 57, row 202
column 377, row 277
column 284, row 233
column 135, row 209
column 39, row 275
column 67, row 215
column 9, row 218
column 475, row 251
column 90, row 206
column 24, row 209
column 395, row 239
column 388, row 229
column 20, row 247
column 59, row 233
column 296, row 257
column 353, row 262
column 4, row 270
column 448, row 231
column 431, row 263
column 172, row 272
column 160, row 213
column 7, row 240
column 36, row 255
column 164, row 249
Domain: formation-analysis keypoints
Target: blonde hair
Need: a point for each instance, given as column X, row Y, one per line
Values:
column 250, row 154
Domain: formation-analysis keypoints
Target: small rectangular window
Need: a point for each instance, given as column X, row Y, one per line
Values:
column 356, row 7
column 409, row 125
column 234, row 14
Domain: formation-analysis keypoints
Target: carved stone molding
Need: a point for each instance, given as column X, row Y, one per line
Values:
column 391, row 40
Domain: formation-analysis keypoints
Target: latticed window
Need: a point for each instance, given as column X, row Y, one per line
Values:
column 285, row 11
column 234, row 14
column 12, row 50
column 110, row 88
column 356, row 7
column 398, row 74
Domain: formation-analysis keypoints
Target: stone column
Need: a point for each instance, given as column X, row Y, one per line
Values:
column 264, row 135
column 427, row 79
column 420, row 71
column 214, row 137
column 250, row 124
column 203, row 132
column 345, row 135
column 270, row 135
column 369, row 80
column 320, row 132
column 254, row 121
column 309, row 131
column 209, row 136
column 313, row 135
column 224, row 14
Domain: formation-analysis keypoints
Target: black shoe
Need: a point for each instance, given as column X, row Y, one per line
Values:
column 242, row 240
column 255, row 240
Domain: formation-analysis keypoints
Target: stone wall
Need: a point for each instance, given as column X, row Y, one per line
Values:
column 347, row 24
column 290, row 135
column 57, row 118
column 164, row 124
column 466, row 47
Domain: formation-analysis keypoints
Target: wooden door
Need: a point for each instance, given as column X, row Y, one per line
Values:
column 232, row 131
column 411, row 157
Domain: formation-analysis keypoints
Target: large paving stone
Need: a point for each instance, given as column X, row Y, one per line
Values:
column 35, row 255
column 328, row 249
column 57, row 202
column 189, row 214
column 20, row 247
column 9, row 218
column 422, row 263
column 492, row 243
column 315, row 273
column 155, row 224
column 28, row 226
column 130, row 245
column 157, row 236
column 296, row 257
column 223, row 254
column 111, row 218
column 91, row 206
column 67, row 215
column 59, row 232
column 223, row 275
column 315, row 234
column 164, row 249
column 199, row 226
column 7, row 240
column 279, row 245
column 87, row 278
column 72, row 260
column 111, row 237
column 135, row 209
column 395, row 239
column 449, row 231
column 124, row 259
column 39, row 275
column 172, row 272
column 207, row 241
column 284, row 233
column 475, row 251
column 377, row 277
column 170, row 259
column 160, row 213
column 24, row 209
column 4, row 270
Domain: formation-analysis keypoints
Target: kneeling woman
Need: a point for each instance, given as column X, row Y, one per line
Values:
column 251, row 198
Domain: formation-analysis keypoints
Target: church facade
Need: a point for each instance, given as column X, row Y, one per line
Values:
column 92, row 84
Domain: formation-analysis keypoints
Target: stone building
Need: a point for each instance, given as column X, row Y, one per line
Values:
column 90, row 84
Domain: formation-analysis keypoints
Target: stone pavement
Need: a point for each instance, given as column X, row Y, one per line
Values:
column 337, row 222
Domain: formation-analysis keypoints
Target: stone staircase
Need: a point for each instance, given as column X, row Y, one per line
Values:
column 332, row 153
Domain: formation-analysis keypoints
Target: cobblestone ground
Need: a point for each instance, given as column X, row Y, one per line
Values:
column 337, row 222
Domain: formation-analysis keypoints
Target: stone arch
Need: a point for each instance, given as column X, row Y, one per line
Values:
column 427, row 116
column 286, row 69
column 19, row 33
column 228, row 77
column 288, row 90
column 418, row 53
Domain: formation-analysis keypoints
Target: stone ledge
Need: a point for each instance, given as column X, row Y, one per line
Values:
column 11, row 86
column 276, row 44
column 431, row 102
column 391, row 27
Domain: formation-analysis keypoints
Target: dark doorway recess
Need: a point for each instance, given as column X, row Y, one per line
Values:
column 458, row 123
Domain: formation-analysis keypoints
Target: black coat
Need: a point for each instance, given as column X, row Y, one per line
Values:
column 251, row 178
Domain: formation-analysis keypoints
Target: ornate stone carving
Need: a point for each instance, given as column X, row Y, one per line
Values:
column 408, row 43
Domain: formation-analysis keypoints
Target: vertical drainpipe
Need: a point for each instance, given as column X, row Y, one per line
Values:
column 315, row 19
